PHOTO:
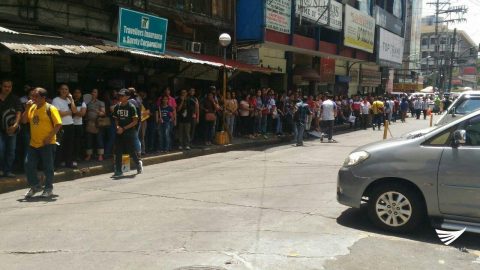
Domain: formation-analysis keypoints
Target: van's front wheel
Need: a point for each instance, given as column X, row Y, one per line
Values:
column 396, row 208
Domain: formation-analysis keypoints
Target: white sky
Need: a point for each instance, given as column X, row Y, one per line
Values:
column 472, row 26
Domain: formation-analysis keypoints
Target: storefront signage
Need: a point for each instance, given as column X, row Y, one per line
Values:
column 390, row 49
column 278, row 15
column 388, row 21
column 141, row 31
column 359, row 30
column 249, row 56
column 327, row 70
column 317, row 11
column 371, row 78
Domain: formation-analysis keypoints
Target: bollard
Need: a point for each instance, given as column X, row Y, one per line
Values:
column 385, row 129
column 431, row 120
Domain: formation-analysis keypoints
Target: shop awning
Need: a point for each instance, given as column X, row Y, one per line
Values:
column 219, row 61
column 43, row 43
column 307, row 74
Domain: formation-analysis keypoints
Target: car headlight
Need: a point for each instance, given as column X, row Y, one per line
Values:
column 355, row 158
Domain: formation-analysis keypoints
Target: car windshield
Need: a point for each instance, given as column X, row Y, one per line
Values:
column 468, row 106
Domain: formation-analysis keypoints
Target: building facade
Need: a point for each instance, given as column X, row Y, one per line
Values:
column 463, row 64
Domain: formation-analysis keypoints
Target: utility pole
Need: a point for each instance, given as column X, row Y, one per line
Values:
column 452, row 55
column 453, row 14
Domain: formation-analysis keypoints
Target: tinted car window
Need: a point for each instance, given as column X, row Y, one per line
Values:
column 442, row 139
column 472, row 126
column 468, row 106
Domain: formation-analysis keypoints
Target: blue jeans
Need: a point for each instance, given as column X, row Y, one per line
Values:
column 165, row 138
column 46, row 155
column 138, row 144
column 7, row 152
column 299, row 130
column 230, row 119
column 279, row 125
column 111, row 133
column 98, row 137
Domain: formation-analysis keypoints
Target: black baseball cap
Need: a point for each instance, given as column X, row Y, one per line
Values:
column 123, row 92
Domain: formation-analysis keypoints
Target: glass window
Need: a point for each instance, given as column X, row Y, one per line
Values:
column 424, row 41
column 364, row 5
column 397, row 8
column 468, row 106
column 473, row 131
column 442, row 139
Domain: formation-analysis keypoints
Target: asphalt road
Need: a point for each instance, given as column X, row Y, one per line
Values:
column 271, row 208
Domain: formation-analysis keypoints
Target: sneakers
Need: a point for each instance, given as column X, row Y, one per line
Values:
column 332, row 141
column 140, row 167
column 265, row 137
column 188, row 148
column 180, row 148
column 321, row 137
column 32, row 192
column 47, row 193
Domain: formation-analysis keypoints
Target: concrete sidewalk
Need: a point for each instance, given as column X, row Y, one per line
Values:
column 93, row 168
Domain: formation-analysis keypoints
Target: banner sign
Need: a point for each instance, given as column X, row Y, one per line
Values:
column 141, row 31
column 278, row 15
column 371, row 78
column 388, row 21
column 317, row 11
column 359, row 30
column 327, row 70
column 390, row 49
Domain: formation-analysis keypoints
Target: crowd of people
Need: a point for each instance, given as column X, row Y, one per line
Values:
column 99, row 124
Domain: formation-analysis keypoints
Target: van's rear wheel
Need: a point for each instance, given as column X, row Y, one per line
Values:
column 396, row 208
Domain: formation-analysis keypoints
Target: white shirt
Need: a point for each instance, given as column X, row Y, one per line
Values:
column 63, row 105
column 365, row 107
column 77, row 120
column 328, row 110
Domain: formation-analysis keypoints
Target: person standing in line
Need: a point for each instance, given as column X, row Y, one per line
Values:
column 78, row 144
column 185, row 110
column 302, row 111
column 364, row 113
column 231, row 107
column 328, row 112
column 196, row 113
column 210, row 107
column 378, row 109
column 45, row 122
column 356, row 109
column 66, row 107
column 126, row 121
column 166, row 119
column 10, row 116
column 95, row 109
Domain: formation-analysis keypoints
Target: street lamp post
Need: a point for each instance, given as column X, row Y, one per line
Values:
column 224, row 40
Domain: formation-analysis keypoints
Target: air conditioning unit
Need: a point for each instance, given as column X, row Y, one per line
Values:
column 195, row 47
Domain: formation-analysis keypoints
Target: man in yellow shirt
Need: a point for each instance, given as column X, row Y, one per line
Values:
column 45, row 122
column 378, row 108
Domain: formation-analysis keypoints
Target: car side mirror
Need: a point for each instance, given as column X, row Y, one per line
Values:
column 459, row 137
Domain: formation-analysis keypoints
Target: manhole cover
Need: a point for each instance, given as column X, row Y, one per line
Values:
column 200, row 267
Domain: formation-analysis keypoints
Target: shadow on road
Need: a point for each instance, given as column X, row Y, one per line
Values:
column 124, row 177
column 358, row 219
column 52, row 198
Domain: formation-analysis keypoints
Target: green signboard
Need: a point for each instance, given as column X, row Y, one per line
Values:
column 141, row 31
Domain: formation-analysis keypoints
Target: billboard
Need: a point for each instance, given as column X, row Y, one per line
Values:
column 317, row 11
column 359, row 30
column 278, row 15
column 390, row 49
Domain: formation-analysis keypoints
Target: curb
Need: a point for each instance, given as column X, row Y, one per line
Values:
column 7, row 185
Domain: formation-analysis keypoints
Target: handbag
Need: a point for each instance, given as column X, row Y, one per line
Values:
column 352, row 118
column 103, row 122
column 210, row 117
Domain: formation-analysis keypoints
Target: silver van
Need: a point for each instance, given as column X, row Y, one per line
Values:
column 466, row 103
column 403, row 181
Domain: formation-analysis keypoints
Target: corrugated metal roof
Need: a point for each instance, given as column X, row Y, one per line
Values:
column 6, row 30
column 29, row 48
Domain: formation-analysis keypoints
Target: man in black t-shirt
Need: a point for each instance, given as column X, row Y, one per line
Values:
column 10, row 116
column 126, row 119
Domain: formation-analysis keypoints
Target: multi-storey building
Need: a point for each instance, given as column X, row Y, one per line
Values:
column 464, row 56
